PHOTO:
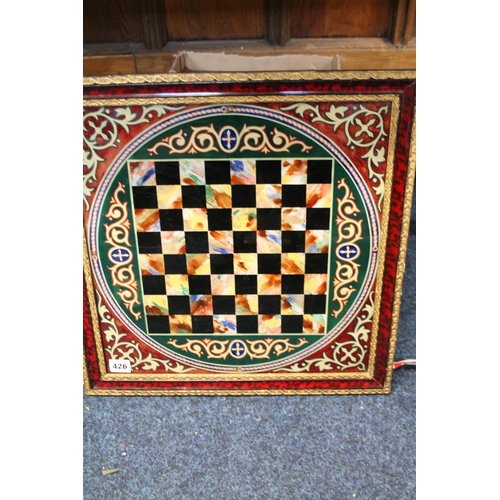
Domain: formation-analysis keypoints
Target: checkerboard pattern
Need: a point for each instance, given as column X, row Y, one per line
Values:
column 233, row 247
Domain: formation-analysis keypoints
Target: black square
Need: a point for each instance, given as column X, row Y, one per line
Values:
column 316, row 263
column 145, row 197
column 314, row 304
column 178, row 305
column 245, row 284
column 318, row 218
column 292, row 324
column 269, row 263
column 268, row 171
column 247, row 324
column 175, row 264
column 319, row 172
column 154, row 285
column 293, row 195
column 268, row 218
column 196, row 242
column 292, row 284
column 245, row 241
column 158, row 324
column 269, row 304
column 223, row 304
column 167, row 172
column 243, row 196
column 199, row 285
column 193, row 197
column 149, row 242
column 217, row 172
column 293, row 241
column 203, row 324
column 220, row 219
column 171, row 220
column 221, row 264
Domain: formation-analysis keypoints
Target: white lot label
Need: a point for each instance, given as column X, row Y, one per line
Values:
column 119, row 366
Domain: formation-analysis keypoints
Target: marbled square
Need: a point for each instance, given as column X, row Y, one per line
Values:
column 177, row 284
column 293, row 219
column 147, row 219
column 269, row 241
column 173, row 242
column 245, row 263
column 243, row 172
column 314, row 323
column 192, row 172
column 156, row 305
column 319, row 196
column 218, row 196
column 315, row 284
column 293, row 263
column 317, row 240
column 201, row 305
column 294, row 172
column 151, row 264
column 244, row 219
column 195, row 219
column 142, row 173
column 220, row 242
column 292, row 304
column 169, row 197
column 268, row 195
column 247, row 304
column 180, row 323
column 222, row 284
column 269, row 284
column 198, row 264
column 225, row 324
column 269, row 323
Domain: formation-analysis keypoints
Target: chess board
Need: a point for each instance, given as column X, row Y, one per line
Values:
column 236, row 247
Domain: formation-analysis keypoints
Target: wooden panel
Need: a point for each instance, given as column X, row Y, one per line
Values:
column 154, row 24
column 278, row 21
column 411, row 22
column 109, row 65
column 112, row 21
column 215, row 20
column 340, row 18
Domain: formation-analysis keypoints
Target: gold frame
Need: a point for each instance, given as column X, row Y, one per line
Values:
column 252, row 77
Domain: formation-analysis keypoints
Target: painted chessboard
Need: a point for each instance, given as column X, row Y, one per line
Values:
column 233, row 247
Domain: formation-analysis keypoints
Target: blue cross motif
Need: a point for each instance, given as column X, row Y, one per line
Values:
column 348, row 252
column 228, row 138
column 238, row 349
column 120, row 254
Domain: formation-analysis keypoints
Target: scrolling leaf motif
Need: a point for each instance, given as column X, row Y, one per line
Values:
column 121, row 349
column 349, row 232
column 250, row 138
column 100, row 132
column 363, row 128
column 221, row 349
column 117, row 236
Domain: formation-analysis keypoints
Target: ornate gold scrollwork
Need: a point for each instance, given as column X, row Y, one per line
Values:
column 229, row 140
column 221, row 349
